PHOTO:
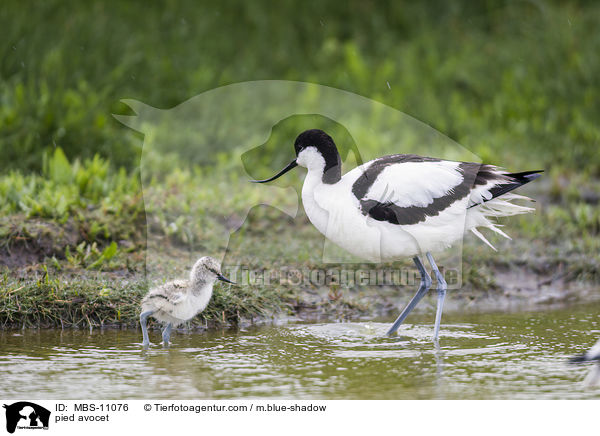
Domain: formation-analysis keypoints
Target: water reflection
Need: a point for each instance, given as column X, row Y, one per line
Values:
column 478, row 356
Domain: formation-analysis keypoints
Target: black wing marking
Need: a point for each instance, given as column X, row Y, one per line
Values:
column 474, row 174
column 362, row 185
column 407, row 215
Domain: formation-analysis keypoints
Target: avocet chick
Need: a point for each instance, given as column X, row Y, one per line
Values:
column 180, row 300
column 592, row 355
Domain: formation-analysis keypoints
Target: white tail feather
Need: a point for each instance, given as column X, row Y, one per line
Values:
column 480, row 215
column 480, row 236
column 500, row 232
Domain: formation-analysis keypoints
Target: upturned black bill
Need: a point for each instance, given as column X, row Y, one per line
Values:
column 290, row 166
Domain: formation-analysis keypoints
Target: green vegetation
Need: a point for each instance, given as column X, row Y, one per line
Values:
column 513, row 82
column 502, row 78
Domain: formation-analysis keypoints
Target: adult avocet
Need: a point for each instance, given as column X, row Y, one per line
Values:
column 180, row 300
column 592, row 355
column 401, row 205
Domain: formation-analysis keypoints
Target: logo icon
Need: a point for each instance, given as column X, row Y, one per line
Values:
column 26, row 415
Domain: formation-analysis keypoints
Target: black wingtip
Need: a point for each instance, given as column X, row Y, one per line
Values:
column 517, row 180
column 526, row 176
column 533, row 175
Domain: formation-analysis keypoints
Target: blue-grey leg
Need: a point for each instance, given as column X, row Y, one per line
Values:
column 166, row 334
column 143, row 319
column 423, row 288
column 441, row 289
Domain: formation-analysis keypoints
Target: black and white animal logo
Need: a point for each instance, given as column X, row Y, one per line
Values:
column 26, row 415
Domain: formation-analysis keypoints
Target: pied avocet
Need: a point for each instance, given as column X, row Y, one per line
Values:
column 402, row 205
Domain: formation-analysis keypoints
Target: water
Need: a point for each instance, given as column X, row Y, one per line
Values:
column 485, row 356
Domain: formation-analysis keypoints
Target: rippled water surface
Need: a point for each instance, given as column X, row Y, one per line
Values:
column 487, row 356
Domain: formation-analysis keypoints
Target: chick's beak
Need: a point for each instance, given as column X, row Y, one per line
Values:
column 225, row 279
column 290, row 166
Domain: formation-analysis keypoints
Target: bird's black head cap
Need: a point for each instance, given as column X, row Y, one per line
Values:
column 325, row 145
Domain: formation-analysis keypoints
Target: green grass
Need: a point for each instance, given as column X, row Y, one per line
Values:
column 512, row 81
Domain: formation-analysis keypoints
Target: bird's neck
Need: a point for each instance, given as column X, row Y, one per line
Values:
column 327, row 167
column 199, row 281
column 313, row 183
column 332, row 173
column 200, row 287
